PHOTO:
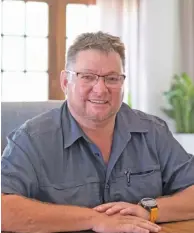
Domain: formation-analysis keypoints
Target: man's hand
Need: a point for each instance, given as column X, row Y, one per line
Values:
column 123, row 208
column 118, row 223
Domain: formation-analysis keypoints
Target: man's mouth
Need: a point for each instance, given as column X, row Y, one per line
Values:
column 99, row 101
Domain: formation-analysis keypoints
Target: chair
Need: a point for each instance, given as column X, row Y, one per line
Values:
column 14, row 114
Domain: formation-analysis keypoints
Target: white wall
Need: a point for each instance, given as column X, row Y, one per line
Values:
column 159, row 53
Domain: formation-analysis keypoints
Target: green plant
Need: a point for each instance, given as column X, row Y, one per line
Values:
column 129, row 100
column 181, row 99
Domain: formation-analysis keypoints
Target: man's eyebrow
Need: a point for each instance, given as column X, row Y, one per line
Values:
column 95, row 72
column 88, row 70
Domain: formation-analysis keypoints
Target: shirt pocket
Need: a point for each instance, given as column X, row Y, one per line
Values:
column 133, row 184
column 80, row 194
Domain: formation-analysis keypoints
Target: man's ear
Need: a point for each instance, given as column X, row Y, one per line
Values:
column 63, row 81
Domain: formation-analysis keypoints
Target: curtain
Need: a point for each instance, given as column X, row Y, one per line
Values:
column 187, row 35
column 121, row 18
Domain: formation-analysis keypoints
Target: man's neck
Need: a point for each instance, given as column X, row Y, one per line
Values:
column 102, row 136
column 99, row 132
column 95, row 129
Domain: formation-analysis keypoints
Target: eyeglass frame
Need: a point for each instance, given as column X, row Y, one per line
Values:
column 97, row 76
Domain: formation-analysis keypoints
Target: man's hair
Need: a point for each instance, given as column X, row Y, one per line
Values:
column 101, row 41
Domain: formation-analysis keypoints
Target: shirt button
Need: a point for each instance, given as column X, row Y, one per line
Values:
column 107, row 186
column 117, row 197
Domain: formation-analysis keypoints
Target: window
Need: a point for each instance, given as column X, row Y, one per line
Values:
column 33, row 45
column 24, row 51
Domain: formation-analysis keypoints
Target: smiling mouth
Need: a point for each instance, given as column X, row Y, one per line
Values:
column 98, row 101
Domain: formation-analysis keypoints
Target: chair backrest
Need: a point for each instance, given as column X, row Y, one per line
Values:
column 14, row 114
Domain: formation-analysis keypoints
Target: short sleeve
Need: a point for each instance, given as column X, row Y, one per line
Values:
column 176, row 164
column 19, row 166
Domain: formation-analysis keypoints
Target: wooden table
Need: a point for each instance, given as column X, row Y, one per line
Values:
column 178, row 227
column 175, row 227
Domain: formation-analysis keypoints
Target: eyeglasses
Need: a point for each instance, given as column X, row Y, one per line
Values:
column 89, row 79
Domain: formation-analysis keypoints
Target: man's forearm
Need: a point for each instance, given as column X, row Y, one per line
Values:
column 178, row 207
column 20, row 214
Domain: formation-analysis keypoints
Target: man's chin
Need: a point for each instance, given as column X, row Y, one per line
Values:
column 100, row 117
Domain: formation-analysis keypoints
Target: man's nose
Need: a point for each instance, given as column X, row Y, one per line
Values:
column 100, row 85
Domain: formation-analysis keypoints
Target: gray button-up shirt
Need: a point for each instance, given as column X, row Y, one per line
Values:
column 49, row 158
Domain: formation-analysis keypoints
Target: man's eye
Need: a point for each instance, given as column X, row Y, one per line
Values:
column 88, row 77
column 112, row 79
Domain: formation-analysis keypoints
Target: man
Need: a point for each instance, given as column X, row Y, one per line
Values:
column 95, row 164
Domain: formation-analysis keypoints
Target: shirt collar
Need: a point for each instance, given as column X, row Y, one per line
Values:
column 127, row 122
column 70, row 127
column 130, row 120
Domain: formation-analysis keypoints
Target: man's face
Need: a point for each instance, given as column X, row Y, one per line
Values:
column 97, row 102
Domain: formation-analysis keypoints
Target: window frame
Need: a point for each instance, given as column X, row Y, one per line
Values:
column 57, row 50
